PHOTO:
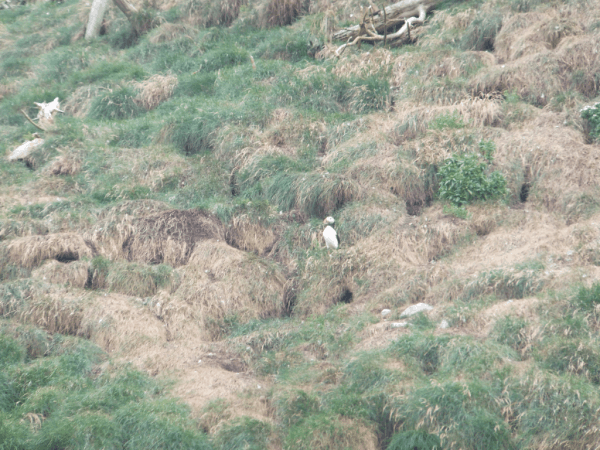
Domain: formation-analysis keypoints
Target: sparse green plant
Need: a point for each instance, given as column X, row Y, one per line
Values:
column 244, row 434
column 511, row 331
column 463, row 179
column 415, row 440
column 447, row 121
column 592, row 114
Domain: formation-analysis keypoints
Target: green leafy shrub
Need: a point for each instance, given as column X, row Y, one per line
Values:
column 463, row 180
column 415, row 440
column 115, row 105
column 592, row 115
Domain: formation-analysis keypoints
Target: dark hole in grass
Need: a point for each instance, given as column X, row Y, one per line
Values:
column 233, row 184
column 233, row 365
column 67, row 257
column 414, row 208
column 346, row 296
column 289, row 298
column 524, row 192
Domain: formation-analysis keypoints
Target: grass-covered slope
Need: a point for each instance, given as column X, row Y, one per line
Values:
column 163, row 281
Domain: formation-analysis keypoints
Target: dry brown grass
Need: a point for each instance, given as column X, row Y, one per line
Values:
column 29, row 251
column 155, row 90
column 250, row 235
column 115, row 225
column 531, row 33
column 18, row 228
column 65, row 164
column 222, row 282
column 364, row 64
column 279, row 13
column 170, row 237
column 545, row 74
column 79, row 102
column 53, row 309
column 169, row 31
column 73, row 274
column 563, row 172
column 210, row 13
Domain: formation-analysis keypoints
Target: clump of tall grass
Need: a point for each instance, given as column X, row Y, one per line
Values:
column 115, row 105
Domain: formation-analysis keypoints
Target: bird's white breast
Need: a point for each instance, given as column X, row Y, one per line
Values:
column 330, row 237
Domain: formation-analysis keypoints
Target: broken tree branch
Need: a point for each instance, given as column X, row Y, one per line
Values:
column 376, row 23
column 31, row 121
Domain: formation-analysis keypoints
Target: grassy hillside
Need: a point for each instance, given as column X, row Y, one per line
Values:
column 163, row 279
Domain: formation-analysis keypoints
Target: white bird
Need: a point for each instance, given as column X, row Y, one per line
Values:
column 331, row 238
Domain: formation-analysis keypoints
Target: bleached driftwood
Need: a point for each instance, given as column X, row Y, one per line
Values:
column 92, row 30
column 376, row 23
column 26, row 149
column 45, row 115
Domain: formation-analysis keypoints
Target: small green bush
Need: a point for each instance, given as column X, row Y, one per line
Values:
column 592, row 115
column 415, row 440
column 115, row 105
column 463, row 180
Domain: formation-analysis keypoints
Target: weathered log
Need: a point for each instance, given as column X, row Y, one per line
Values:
column 391, row 16
column 25, row 149
column 92, row 30
column 126, row 8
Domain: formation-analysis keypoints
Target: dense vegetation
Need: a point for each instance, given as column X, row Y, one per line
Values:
column 162, row 279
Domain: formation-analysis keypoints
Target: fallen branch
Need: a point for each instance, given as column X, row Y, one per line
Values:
column 376, row 23
column 31, row 121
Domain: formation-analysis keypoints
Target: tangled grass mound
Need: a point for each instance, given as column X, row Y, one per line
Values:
column 220, row 287
column 170, row 237
column 30, row 251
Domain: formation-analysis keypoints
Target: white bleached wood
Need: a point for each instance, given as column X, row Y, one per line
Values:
column 94, row 24
column 25, row 149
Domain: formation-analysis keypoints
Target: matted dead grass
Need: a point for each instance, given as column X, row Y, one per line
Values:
column 66, row 163
column 208, row 13
column 73, row 274
column 364, row 64
column 79, row 102
column 250, row 235
column 544, row 74
column 399, row 262
column 562, row 171
column 222, row 282
column 169, row 31
column 155, row 90
column 279, row 13
column 170, row 237
column 533, row 32
column 29, row 251
column 55, row 309
column 115, row 225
